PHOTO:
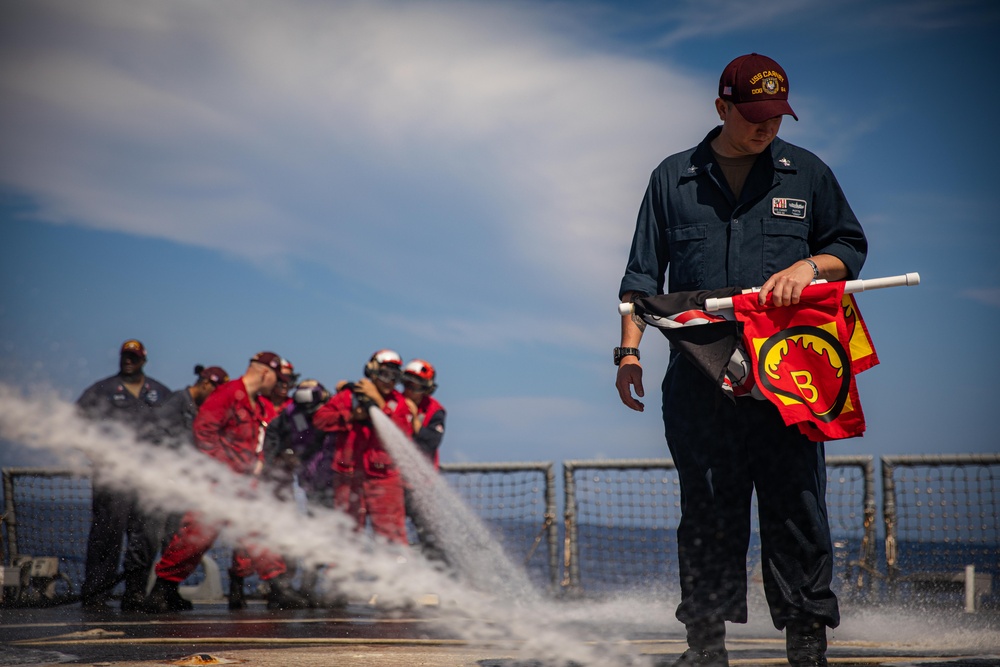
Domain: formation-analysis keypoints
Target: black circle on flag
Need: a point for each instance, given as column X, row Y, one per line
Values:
column 831, row 387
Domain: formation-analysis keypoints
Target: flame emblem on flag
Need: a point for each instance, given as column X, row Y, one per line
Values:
column 809, row 366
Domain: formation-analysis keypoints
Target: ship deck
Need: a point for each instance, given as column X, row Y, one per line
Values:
column 362, row 634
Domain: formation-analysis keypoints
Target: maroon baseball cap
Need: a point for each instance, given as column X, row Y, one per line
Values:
column 214, row 374
column 273, row 361
column 758, row 87
column 133, row 346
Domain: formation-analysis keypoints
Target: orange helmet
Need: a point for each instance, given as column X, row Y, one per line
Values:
column 421, row 375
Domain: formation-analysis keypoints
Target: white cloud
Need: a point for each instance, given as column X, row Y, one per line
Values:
column 988, row 297
column 505, row 327
column 926, row 16
column 338, row 126
column 690, row 20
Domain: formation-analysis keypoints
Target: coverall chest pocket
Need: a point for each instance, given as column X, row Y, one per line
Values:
column 784, row 243
column 343, row 458
column 244, row 423
column 687, row 256
column 378, row 463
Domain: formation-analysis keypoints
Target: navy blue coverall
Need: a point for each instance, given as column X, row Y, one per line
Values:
column 692, row 234
column 116, row 513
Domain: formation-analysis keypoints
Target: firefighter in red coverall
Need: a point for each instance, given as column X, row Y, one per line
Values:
column 419, row 382
column 367, row 484
column 230, row 428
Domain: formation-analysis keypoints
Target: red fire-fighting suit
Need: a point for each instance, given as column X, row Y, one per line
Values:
column 431, row 416
column 367, row 483
column 229, row 427
column 428, row 440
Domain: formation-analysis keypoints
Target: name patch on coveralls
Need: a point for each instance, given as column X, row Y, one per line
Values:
column 789, row 208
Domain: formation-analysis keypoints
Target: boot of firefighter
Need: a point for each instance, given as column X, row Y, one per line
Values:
column 134, row 598
column 164, row 598
column 282, row 596
column 310, row 584
column 237, row 599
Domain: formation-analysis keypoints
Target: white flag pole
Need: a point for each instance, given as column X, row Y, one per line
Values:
column 850, row 287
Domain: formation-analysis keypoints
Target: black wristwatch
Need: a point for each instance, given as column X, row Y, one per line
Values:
column 624, row 352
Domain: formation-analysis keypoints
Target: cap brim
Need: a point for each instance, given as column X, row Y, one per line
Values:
column 758, row 112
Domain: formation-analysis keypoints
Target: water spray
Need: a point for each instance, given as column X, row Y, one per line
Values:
column 485, row 599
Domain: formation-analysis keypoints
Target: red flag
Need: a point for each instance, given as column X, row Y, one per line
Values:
column 804, row 358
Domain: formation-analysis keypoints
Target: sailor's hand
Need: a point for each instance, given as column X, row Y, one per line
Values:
column 785, row 287
column 370, row 391
column 411, row 406
column 287, row 461
column 629, row 376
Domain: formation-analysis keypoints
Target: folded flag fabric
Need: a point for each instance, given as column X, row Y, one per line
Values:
column 804, row 358
column 710, row 341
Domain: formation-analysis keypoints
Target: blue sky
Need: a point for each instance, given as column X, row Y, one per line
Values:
column 459, row 181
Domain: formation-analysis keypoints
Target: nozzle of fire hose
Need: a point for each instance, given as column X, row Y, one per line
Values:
column 358, row 398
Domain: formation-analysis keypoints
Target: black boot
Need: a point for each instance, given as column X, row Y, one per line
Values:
column 98, row 604
column 134, row 598
column 310, row 583
column 164, row 598
column 707, row 646
column 282, row 596
column 805, row 642
column 236, row 598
